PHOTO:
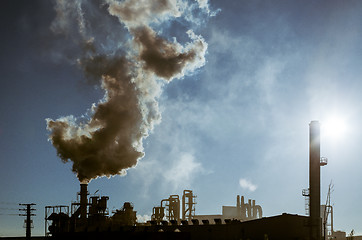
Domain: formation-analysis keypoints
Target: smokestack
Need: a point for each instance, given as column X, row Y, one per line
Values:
column 243, row 208
column 83, row 202
column 314, row 180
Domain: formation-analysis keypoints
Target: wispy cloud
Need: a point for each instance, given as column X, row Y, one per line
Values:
column 176, row 172
column 248, row 185
column 183, row 170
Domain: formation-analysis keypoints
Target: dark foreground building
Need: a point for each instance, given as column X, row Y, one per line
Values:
column 89, row 219
column 285, row 226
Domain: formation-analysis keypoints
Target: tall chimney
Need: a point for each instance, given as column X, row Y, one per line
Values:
column 314, row 181
column 243, row 208
column 83, row 202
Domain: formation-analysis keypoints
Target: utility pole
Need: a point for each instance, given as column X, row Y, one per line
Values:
column 27, row 208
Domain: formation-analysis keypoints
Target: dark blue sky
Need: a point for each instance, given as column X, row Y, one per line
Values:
column 271, row 68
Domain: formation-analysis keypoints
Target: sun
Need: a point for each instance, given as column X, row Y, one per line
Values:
column 334, row 127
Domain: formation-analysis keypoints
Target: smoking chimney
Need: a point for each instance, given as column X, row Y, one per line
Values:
column 314, row 180
column 83, row 202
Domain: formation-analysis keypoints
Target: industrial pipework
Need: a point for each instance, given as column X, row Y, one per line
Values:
column 188, row 205
column 247, row 211
column 170, row 207
column 173, row 207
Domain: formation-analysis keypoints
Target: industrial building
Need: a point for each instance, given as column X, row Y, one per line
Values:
column 89, row 218
column 242, row 212
column 175, row 218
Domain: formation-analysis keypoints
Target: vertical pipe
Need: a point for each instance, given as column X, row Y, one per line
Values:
column 248, row 209
column 253, row 210
column 184, row 205
column 243, row 208
column 314, row 180
column 238, row 209
column 191, row 204
column 83, row 202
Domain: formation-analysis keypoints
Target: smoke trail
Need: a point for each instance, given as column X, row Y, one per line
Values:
column 110, row 141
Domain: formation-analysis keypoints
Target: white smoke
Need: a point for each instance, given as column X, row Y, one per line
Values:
column 183, row 170
column 143, row 12
column 110, row 141
column 66, row 10
column 143, row 218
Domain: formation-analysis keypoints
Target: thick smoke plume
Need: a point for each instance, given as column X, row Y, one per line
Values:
column 110, row 141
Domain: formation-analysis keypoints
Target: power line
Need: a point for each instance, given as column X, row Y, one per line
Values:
column 8, row 203
column 8, row 211
column 4, row 208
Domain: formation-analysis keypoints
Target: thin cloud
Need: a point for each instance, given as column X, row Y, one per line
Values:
column 248, row 185
column 183, row 170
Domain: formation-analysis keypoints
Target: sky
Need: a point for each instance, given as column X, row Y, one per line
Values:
column 218, row 97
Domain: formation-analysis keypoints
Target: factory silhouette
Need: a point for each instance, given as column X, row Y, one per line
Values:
column 108, row 139
column 175, row 217
column 111, row 140
column 131, row 72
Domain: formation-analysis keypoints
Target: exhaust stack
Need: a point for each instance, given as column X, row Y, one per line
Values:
column 83, row 202
column 314, row 180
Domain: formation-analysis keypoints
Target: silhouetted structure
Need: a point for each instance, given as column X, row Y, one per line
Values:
column 188, row 205
column 90, row 220
column 28, row 221
column 242, row 211
column 315, row 162
column 56, row 219
column 280, row 227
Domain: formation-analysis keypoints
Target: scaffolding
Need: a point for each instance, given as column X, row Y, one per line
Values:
column 188, row 205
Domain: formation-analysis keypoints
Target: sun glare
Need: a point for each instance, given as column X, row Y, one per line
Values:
column 334, row 127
